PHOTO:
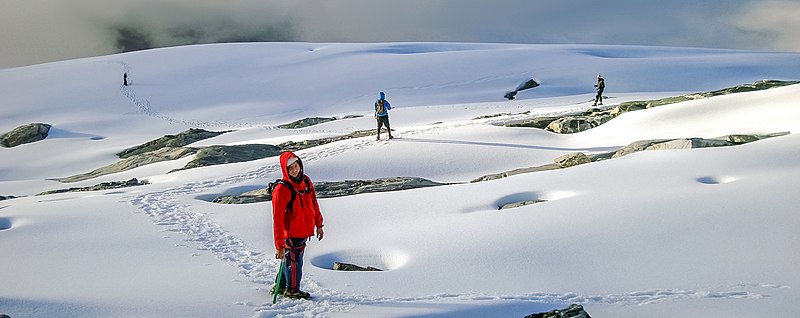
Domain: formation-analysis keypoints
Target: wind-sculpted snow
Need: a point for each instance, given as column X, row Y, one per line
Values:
column 690, row 232
column 258, row 266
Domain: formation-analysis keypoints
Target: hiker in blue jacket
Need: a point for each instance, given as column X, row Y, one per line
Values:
column 382, row 108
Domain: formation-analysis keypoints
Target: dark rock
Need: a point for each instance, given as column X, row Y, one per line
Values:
column 180, row 140
column 573, row 311
column 134, row 161
column 306, row 122
column 582, row 121
column 7, row 197
column 311, row 121
column 531, row 83
column 102, row 186
column 337, row 266
column 338, row 189
column 351, row 187
column 216, row 155
column 25, row 134
column 536, row 122
column 300, row 145
column 575, row 124
column 520, row 204
column 572, row 159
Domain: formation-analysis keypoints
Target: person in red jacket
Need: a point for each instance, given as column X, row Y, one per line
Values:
column 295, row 216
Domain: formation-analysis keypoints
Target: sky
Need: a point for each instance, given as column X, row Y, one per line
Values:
column 50, row 30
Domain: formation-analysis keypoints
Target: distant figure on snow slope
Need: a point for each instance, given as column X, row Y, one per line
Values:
column 382, row 108
column 600, row 86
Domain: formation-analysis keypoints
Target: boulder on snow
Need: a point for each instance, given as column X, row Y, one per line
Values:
column 7, row 197
column 573, row 311
column 572, row 159
column 25, row 134
column 531, row 83
column 520, row 204
column 337, row 266
column 575, row 124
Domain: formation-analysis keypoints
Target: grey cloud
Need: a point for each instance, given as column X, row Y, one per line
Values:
column 771, row 24
column 77, row 28
column 160, row 23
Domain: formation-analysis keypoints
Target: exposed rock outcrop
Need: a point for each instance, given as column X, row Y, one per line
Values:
column 573, row 159
column 589, row 119
column 338, row 189
column 216, row 155
column 578, row 123
column 540, row 122
column 337, row 266
column 102, row 186
column 573, row 311
column 162, row 150
column 306, row 122
column 7, row 197
column 531, row 83
column 25, row 134
column 163, row 154
column 182, row 139
column 311, row 121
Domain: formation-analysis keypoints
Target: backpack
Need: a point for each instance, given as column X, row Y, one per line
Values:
column 271, row 188
column 379, row 108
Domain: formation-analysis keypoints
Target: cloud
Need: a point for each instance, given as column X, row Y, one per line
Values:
column 146, row 24
column 771, row 24
column 47, row 30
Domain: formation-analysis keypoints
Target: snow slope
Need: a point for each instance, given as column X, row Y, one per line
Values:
column 704, row 232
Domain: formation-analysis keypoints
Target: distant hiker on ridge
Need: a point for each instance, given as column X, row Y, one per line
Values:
column 600, row 86
column 382, row 108
column 295, row 215
column 125, row 79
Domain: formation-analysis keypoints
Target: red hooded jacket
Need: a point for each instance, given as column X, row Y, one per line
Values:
column 304, row 216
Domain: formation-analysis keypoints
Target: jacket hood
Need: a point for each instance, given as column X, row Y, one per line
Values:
column 284, row 158
column 381, row 95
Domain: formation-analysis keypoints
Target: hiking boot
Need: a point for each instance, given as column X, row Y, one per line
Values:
column 298, row 294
